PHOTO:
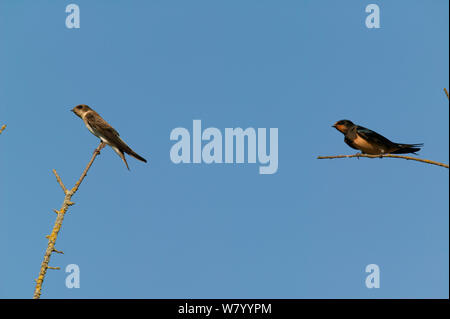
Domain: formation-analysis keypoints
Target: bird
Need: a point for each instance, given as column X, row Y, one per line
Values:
column 105, row 132
column 370, row 142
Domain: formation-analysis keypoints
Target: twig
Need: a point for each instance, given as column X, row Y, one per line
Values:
column 446, row 92
column 60, row 184
column 2, row 128
column 58, row 223
column 386, row 155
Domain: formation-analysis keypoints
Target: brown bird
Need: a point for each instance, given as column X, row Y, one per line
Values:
column 107, row 134
column 370, row 142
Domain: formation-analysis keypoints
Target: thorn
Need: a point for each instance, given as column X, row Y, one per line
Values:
column 58, row 251
column 56, row 211
column 55, row 268
column 70, row 203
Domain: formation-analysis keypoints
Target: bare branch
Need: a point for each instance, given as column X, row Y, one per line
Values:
column 58, row 223
column 446, row 92
column 2, row 128
column 386, row 155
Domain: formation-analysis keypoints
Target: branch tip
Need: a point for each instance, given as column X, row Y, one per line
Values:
column 58, row 179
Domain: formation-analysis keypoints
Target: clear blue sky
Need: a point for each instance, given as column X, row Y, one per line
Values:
column 224, row 231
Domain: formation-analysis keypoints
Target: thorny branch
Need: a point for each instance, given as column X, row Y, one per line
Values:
column 386, row 155
column 58, row 223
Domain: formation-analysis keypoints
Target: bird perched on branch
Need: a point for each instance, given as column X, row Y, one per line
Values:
column 107, row 134
column 370, row 142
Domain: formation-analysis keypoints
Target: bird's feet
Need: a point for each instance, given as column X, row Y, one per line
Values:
column 358, row 155
column 99, row 148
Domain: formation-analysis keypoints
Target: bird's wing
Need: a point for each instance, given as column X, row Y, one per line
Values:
column 98, row 124
column 372, row 137
column 102, row 127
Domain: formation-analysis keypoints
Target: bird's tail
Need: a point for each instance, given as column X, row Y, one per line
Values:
column 408, row 148
column 135, row 155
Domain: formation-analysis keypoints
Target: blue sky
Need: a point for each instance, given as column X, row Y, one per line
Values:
column 164, row 230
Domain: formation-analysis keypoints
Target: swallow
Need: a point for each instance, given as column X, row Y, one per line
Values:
column 370, row 142
column 105, row 132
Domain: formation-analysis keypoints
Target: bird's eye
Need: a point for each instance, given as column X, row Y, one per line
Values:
column 79, row 107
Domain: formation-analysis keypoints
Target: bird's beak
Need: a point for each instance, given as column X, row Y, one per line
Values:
column 334, row 125
column 72, row 110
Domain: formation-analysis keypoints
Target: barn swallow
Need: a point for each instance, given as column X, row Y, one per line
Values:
column 107, row 134
column 370, row 142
